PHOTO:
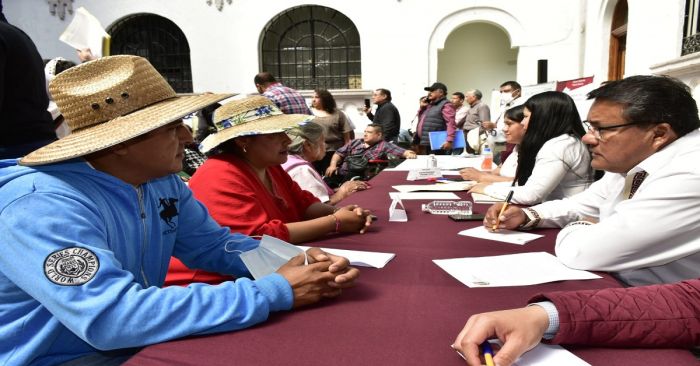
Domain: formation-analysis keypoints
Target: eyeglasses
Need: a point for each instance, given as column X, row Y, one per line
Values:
column 597, row 130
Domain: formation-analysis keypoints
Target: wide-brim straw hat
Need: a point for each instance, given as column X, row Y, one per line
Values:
column 112, row 100
column 255, row 115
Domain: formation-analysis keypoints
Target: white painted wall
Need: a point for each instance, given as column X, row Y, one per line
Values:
column 400, row 38
column 654, row 34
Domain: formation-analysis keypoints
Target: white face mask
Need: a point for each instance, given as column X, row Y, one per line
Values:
column 270, row 255
column 506, row 98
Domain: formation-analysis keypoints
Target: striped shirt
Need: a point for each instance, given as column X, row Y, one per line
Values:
column 287, row 99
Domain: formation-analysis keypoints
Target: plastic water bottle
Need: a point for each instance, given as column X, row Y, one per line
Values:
column 487, row 162
column 432, row 162
column 448, row 207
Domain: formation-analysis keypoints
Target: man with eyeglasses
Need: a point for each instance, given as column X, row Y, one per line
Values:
column 641, row 221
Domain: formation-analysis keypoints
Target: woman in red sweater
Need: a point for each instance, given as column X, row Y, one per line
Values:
column 245, row 188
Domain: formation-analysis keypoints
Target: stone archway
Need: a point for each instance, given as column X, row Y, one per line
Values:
column 497, row 17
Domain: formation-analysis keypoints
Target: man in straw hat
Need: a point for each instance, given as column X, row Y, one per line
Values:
column 88, row 224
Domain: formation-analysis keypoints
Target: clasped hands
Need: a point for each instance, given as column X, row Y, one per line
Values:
column 353, row 218
column 325, row 276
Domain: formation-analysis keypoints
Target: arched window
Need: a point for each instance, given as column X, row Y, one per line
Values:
column 160, row 41
column 312, row 46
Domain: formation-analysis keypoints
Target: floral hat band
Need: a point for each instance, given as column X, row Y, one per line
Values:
column 248, row 116
column 256, row 115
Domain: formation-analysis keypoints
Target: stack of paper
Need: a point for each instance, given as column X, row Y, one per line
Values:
column 423, row 196
column 360, row 258
column 511, row 270
column 482, row 198
column 439, row 187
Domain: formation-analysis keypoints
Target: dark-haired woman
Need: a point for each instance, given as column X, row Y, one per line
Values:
column 553, row 162
column 336, row 126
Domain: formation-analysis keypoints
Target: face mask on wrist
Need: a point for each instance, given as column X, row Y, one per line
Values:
column 269, row 256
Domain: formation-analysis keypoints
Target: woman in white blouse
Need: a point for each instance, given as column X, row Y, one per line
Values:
column 553, row 162
column 514, row 132
column 308, row 145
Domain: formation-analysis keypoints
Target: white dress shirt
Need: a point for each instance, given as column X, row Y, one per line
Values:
column 653, row 237
column 500, row 121
column 510, row 166
column 562, row 169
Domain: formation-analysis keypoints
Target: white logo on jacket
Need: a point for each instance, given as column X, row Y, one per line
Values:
column 71, row 266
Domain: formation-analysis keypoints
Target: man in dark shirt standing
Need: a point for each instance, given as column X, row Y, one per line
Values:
column 386, row 114
column 26, row 124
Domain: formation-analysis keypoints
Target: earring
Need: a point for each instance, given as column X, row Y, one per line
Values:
column 244, row 150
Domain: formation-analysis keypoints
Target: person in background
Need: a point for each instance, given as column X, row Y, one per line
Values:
column 52, row 68
column 2, row 15
column 245, row 189
column 25, row 122
column 386, row 114
column 307, row 146
column 511, row 92
column 87, row 290
column 437, row 115
column 371, row 147
column 553, row 162
column 657, row 316
column 641, row 221
column 335, row 123
column 514, row 132
column 288, row 100
column 457, row 101
column 476, row 115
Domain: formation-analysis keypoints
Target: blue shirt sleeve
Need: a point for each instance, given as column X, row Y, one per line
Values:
column 106, row 307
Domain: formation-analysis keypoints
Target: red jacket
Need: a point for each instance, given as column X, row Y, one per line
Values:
column 236, row 198
column 648, row 316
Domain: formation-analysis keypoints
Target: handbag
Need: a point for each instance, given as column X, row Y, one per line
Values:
column 356, row 164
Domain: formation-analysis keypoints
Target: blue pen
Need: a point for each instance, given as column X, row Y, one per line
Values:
column 488, row 353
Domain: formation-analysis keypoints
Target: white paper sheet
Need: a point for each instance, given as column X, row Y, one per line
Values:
column 549, row 355
column 511, row 270
column 449, row 172
column 506, row 236
column 424, row 195
column 438, row 187
column 543, row 355
column 482, row 198
column 360, row 258
column 85, row 31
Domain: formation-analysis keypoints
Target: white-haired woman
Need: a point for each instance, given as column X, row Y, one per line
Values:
column 308, row 145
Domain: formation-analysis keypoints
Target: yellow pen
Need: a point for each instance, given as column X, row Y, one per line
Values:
column 503, row 209
column 488, row 352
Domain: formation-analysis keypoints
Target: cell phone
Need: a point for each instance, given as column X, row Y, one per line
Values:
column 366, row 102
column 472, row 217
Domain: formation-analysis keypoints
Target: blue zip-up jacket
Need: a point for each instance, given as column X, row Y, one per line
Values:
column 82, row 256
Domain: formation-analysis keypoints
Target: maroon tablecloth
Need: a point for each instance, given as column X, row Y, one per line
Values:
column 407, row 313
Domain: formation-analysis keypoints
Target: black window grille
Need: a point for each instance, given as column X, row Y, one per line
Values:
column 691, row 27
column 312, row 46
column 160, row 41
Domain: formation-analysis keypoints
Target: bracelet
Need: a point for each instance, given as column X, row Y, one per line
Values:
column 337, row 222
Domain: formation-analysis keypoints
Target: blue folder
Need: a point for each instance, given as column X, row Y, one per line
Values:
column 437, row 138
